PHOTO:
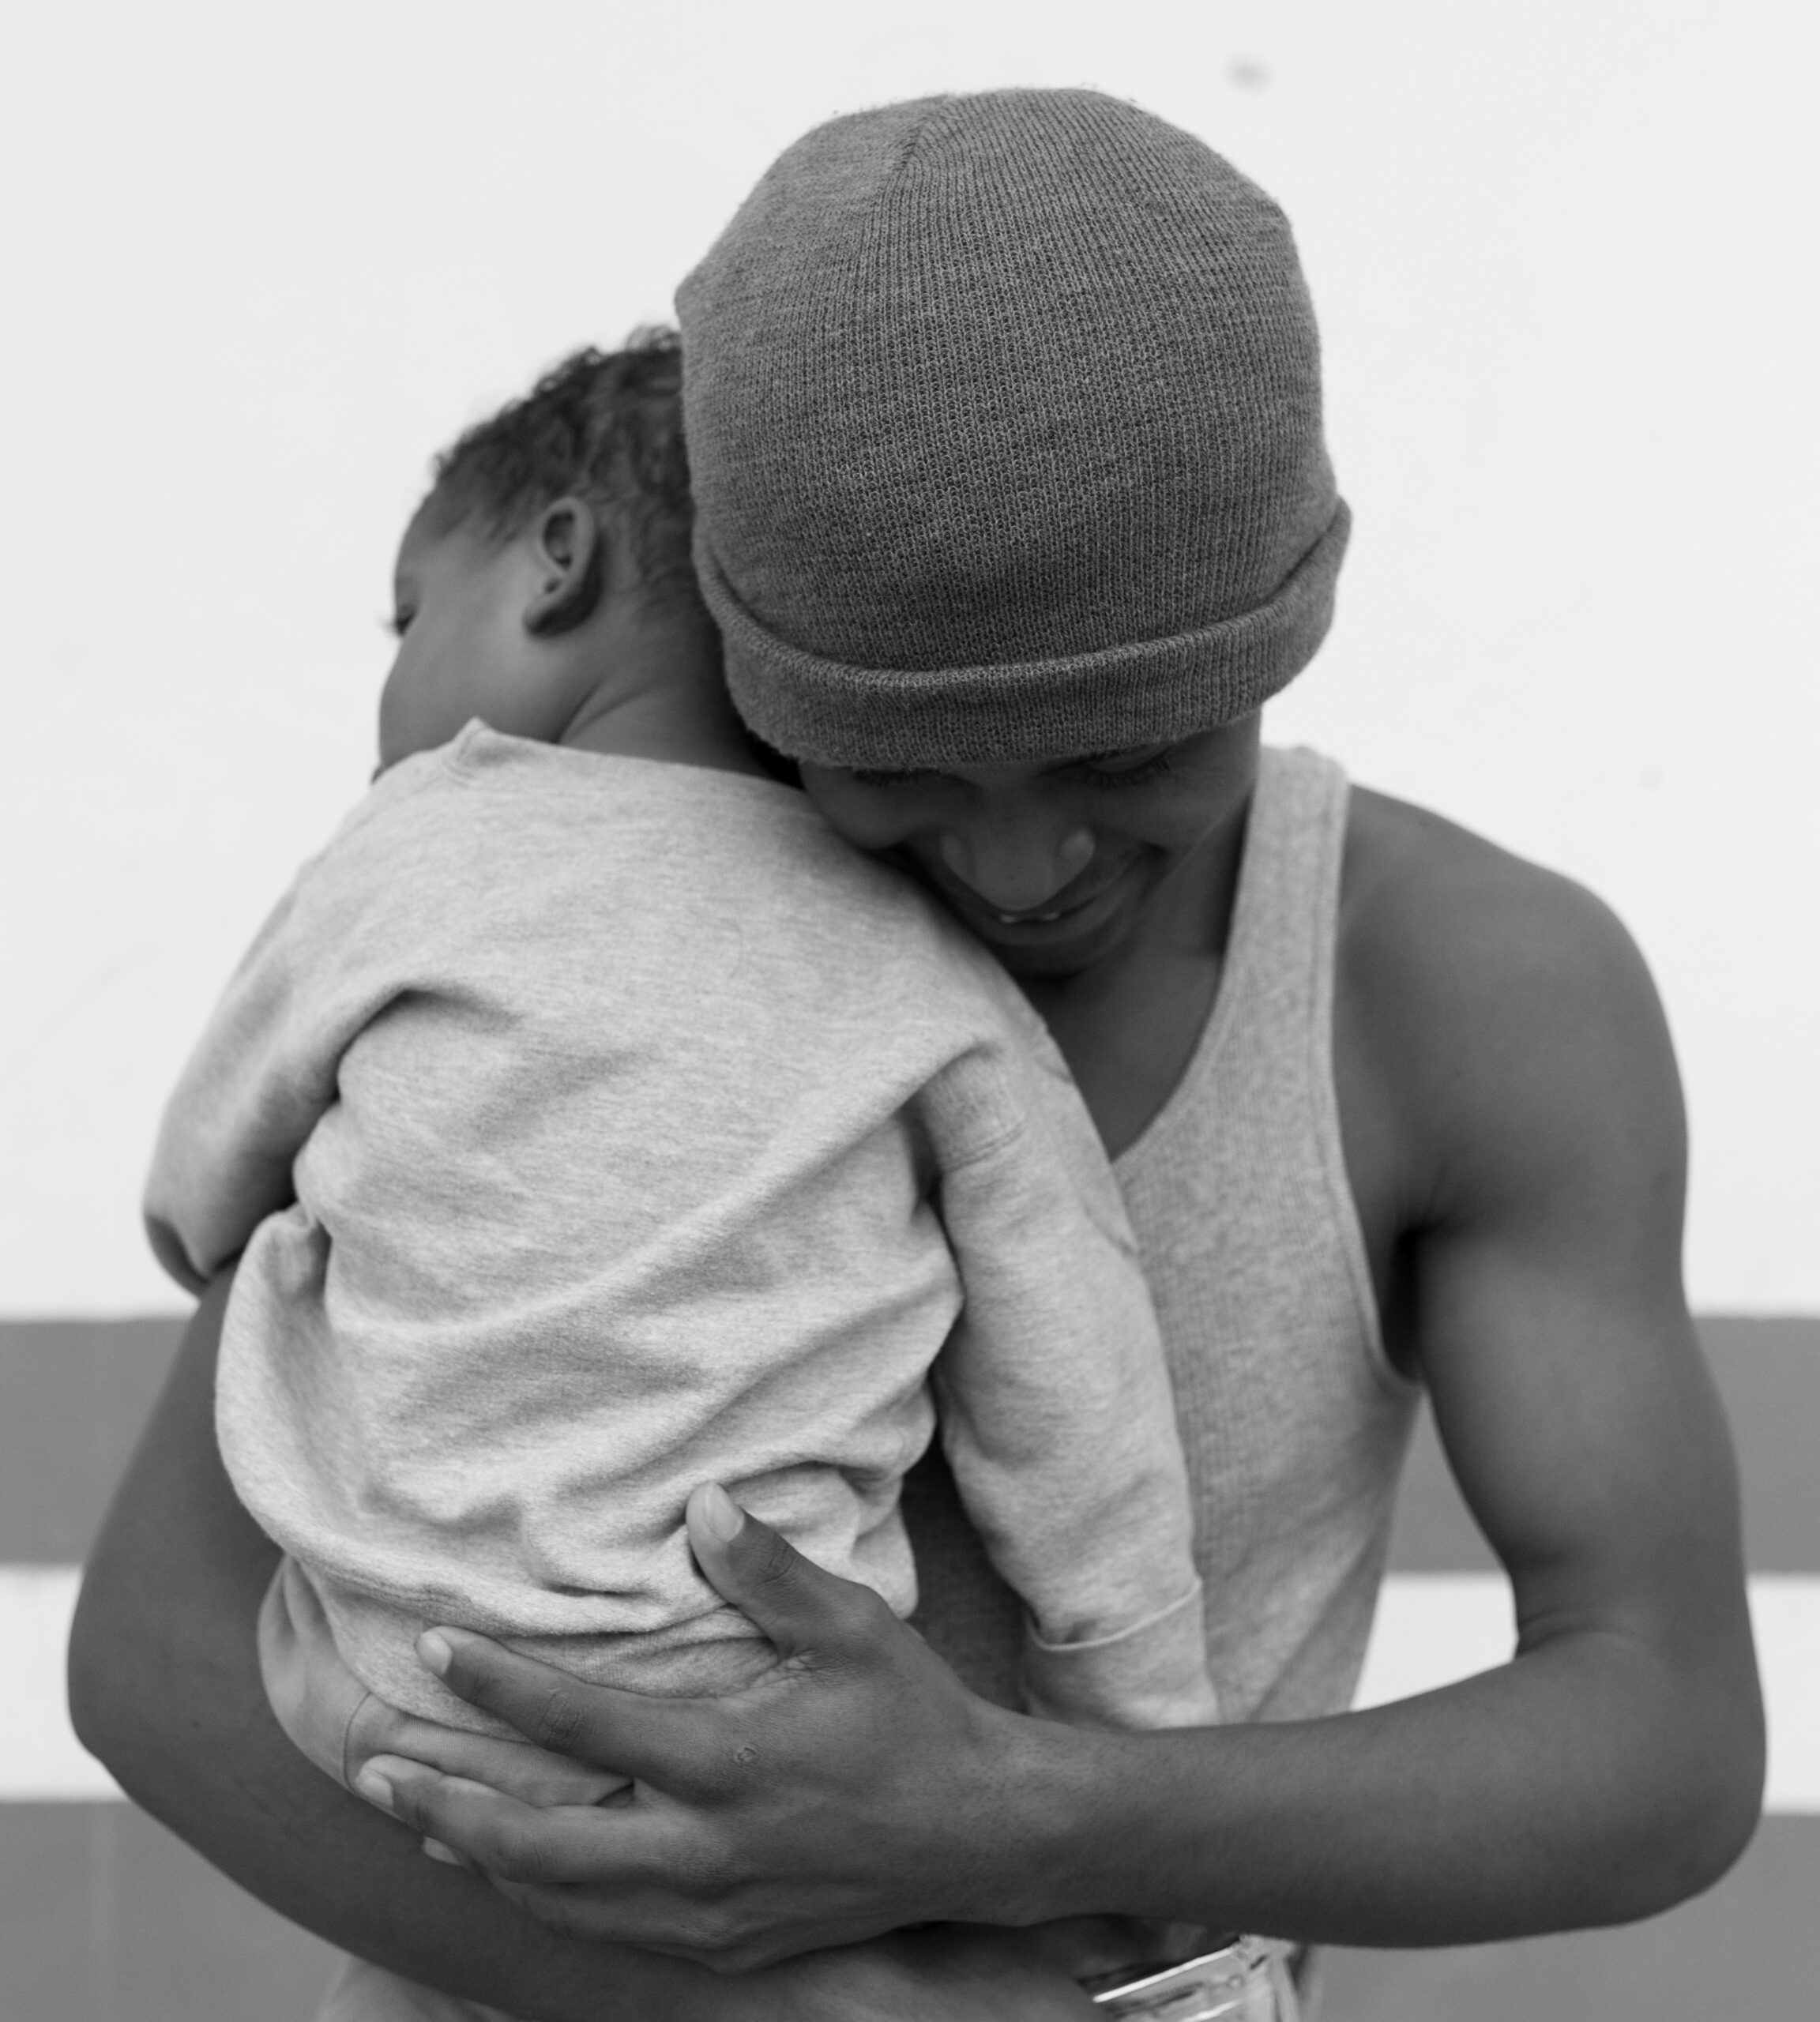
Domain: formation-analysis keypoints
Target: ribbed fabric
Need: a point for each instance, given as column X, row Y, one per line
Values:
column 1004, row 420
column 1293, row 1423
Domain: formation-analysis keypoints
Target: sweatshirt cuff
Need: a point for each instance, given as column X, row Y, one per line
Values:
column 1153, row 1673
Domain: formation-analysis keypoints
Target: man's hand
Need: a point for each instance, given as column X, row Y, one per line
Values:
column 856, row 1788
column 532, row 1776
column 166, row 1688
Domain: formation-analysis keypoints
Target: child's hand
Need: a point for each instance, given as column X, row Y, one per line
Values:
column 519, row 1768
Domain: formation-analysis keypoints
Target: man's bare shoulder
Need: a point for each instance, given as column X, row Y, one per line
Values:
column 1421, row 894
column 1499, row 1021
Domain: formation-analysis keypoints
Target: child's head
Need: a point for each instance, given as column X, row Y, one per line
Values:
column 566, row 510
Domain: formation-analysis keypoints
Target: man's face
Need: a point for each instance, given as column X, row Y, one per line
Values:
column 1057, row 863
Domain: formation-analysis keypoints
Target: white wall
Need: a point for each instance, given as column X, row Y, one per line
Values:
column 260, row 259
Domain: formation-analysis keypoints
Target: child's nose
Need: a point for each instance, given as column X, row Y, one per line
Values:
column 1016, row 866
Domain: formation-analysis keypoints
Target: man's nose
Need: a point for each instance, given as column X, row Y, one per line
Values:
column 1016, row 864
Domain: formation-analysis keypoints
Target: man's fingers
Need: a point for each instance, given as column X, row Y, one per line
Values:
column 533, row 1775
column 558, row 1846
column 799, row 1606
column 580, row 1914
column 629, row 1733
column 568, row 1866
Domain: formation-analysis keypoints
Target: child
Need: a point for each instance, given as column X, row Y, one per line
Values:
column 594, row 1123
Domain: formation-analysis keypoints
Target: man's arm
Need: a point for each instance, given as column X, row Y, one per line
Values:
column 165, row 1689
column 1613, row 1768
column 1523, row 1070
column 1505, row 1069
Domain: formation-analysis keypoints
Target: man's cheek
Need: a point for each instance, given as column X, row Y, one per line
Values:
column 860, row 817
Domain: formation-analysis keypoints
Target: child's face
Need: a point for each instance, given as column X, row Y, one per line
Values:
column 463, row 651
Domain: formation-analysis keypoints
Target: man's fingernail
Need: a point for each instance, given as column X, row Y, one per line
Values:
column 375, row 1790
column 437, row 1851
column 721, row 1514
column 433, row 1647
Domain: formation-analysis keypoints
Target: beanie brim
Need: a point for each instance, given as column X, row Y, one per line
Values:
column 1121, row 698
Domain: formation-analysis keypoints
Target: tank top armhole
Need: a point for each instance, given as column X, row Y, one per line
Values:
column 1323, row 1089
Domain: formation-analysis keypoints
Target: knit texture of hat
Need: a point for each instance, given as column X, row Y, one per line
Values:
column 1004, row 427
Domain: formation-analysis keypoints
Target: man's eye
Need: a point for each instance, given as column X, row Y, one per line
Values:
column 1099, row 772
column 863, row 777
column 399, row 623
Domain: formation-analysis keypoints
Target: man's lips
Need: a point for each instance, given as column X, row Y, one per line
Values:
column 1065, row 906
column 1032, row 919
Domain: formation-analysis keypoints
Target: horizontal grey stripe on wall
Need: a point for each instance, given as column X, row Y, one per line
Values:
column 75, row 1393
column 106, row 1917
column 1768, row 1374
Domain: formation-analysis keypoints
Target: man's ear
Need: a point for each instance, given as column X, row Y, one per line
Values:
column 572, row 561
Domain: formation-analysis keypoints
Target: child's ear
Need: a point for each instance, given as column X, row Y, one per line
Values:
column 571, row 560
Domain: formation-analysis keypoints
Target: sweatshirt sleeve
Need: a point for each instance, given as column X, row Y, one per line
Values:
column 1056, row 1405
column 265, row 1068
column 261, row 1075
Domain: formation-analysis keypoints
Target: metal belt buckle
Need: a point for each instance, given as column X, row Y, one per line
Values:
column 1246, row 1980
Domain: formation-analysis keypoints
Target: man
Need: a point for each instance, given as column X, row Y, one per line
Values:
column 1005, row 422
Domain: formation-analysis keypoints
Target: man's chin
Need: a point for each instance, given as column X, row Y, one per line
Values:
column 1038, row 965
column 1078, row 936
column 1063, row 948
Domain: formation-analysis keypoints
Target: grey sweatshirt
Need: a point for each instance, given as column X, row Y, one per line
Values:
column 594, row 1128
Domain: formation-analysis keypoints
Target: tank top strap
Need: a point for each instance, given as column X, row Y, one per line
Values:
column 1261, row 1081
column 1280, row 949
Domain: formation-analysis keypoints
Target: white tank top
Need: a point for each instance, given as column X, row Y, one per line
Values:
column 1294, row 1422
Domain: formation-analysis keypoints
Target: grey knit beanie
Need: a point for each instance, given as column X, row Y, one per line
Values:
column 1004, row 427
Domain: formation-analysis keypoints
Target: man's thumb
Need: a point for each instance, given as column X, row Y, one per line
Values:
column 798, row 1606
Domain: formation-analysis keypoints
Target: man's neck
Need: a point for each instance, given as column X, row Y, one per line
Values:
column 1129, row 1025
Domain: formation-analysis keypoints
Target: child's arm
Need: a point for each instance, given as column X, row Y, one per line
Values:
column 259, row 1077
column 325, row 963
column 1056, row 1410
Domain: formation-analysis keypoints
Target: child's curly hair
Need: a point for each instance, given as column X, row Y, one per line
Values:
column 604, row 426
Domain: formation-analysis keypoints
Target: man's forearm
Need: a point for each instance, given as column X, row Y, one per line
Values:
column 1584, row 1784
column 164, row 1688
